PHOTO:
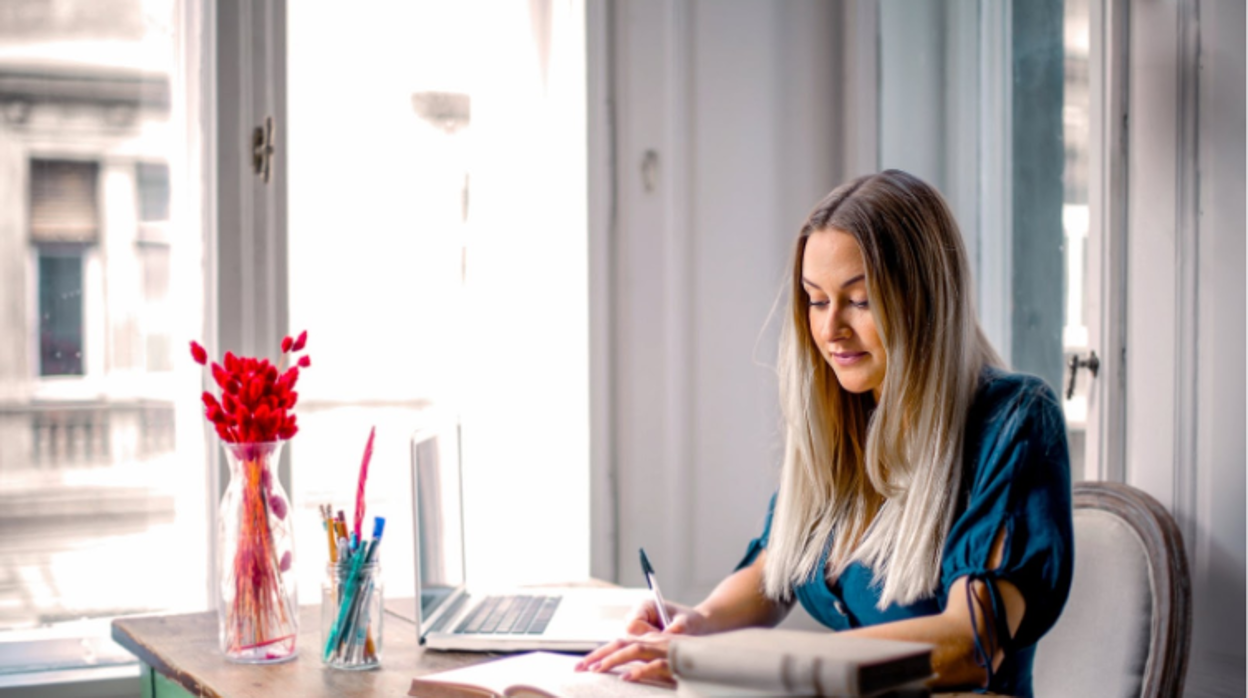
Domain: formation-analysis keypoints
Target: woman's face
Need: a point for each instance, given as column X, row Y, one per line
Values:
column 841, row 322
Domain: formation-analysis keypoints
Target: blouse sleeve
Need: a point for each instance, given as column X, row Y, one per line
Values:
column 1019, row 475
column 757, row 545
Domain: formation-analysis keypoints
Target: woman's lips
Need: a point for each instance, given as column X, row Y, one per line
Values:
column 848, row 358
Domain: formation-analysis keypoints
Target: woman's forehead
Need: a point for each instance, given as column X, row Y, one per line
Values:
column 831, row 256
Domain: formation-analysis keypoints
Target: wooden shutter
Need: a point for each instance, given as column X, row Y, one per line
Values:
column 64, row 201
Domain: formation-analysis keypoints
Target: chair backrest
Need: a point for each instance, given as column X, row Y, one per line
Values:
column 1126, row 628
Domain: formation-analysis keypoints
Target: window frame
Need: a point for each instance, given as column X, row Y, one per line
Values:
column 235, row 52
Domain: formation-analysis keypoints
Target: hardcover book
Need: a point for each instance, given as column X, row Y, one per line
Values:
column 794, row 662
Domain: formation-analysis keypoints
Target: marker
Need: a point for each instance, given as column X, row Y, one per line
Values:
column 379, row 527
column 653, row 582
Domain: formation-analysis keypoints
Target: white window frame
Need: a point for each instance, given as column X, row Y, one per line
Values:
column 237, row 49
column 1107, row 253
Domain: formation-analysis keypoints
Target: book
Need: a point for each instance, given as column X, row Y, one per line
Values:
column 693, row 688
column 531, row 675
column 796, row 662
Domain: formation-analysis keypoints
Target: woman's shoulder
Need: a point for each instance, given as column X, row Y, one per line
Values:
column 1015, row 442
column 1003, row 393
column 1011, row 406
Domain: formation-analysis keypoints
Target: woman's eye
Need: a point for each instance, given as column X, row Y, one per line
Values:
column 859, row 304
column 817, row 304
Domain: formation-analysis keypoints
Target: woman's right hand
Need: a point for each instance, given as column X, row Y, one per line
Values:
column 646, row 643
column 685, row 620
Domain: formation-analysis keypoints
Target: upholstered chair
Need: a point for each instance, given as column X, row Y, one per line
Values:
column 1126, row 628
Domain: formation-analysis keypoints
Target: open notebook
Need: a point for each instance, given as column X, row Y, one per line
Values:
column 452, row 616
column 536, row 674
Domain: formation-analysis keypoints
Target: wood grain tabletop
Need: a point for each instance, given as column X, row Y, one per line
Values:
column 184, row 649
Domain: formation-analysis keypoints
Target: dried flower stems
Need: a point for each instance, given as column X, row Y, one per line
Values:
column 259, row 616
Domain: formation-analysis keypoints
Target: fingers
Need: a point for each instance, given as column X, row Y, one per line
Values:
column 657, row 671
column 598, row 654
column 644, row 619
column 640, row 626
column 635, row 652
column 680, row 624
column 633, row 649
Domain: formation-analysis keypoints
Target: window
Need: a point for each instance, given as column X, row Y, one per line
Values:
column 990, row 102
column 60, row 310
column 102, row 466
column 1076, row 173
column 155, row 260
column 470, row 303
column 153, row 185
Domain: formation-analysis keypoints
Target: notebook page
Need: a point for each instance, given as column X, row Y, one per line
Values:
column 546, row 673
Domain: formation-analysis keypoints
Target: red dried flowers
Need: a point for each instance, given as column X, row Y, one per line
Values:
column 257, row 397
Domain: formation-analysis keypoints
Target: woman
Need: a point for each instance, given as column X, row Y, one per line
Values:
column 925, row 492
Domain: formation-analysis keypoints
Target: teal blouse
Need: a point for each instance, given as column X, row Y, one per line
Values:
column 1016, row 474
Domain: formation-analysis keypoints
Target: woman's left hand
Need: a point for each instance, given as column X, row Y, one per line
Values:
column 649, row 650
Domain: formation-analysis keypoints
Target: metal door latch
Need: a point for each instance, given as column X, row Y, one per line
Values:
column 262, row 141
column 1092, row 363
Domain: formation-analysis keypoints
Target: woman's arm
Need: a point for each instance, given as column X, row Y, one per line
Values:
column 739, row 602
column 951, row 634
column 736, row 602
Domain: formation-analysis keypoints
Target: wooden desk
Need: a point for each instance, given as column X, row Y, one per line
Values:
column 180, row 658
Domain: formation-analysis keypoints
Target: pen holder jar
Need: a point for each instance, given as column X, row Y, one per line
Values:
column 352, row 615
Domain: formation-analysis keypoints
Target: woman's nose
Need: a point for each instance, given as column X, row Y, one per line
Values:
column 832, row 327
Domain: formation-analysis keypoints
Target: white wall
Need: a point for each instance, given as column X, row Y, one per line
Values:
column 1218, row 548
column 1186, row 307
column 738, row 102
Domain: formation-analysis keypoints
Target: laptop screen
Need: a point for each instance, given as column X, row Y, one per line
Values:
column 438, row 518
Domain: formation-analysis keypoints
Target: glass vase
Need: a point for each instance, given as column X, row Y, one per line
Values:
column 257, row 607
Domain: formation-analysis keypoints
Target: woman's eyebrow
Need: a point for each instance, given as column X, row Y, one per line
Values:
column 847, row 284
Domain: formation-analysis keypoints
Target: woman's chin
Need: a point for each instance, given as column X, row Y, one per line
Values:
column 856, row 384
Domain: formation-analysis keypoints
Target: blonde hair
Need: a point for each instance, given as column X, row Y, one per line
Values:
column 883, row 478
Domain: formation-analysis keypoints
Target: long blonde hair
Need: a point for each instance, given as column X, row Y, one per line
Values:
column 882, row 479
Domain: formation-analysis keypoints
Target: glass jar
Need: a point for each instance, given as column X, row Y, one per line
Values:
column 257, row 605
column 352, row 615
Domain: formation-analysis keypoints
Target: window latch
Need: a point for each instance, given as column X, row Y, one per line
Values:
column 1092, row 363
column 262, row 141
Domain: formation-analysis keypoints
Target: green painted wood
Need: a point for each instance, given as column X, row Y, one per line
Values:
column 145, row 680
column 162, row 687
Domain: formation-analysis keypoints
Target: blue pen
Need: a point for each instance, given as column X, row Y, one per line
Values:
column 379, row 527
column 348, row 599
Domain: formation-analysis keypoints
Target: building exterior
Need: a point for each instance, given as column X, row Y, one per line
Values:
column 85, row 249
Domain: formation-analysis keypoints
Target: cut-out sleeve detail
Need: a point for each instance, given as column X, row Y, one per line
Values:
column 996, row 626
column 1017, row 479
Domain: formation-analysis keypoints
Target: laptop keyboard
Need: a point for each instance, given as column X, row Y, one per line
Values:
column 510, row 615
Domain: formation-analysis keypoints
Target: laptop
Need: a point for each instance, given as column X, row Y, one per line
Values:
column 452, row 616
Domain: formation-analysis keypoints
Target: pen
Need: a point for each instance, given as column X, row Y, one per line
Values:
column 379, row 527
column 653, row 582
column 348, row 595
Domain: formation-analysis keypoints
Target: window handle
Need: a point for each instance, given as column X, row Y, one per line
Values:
column 1092, row 363
column 262, row 142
